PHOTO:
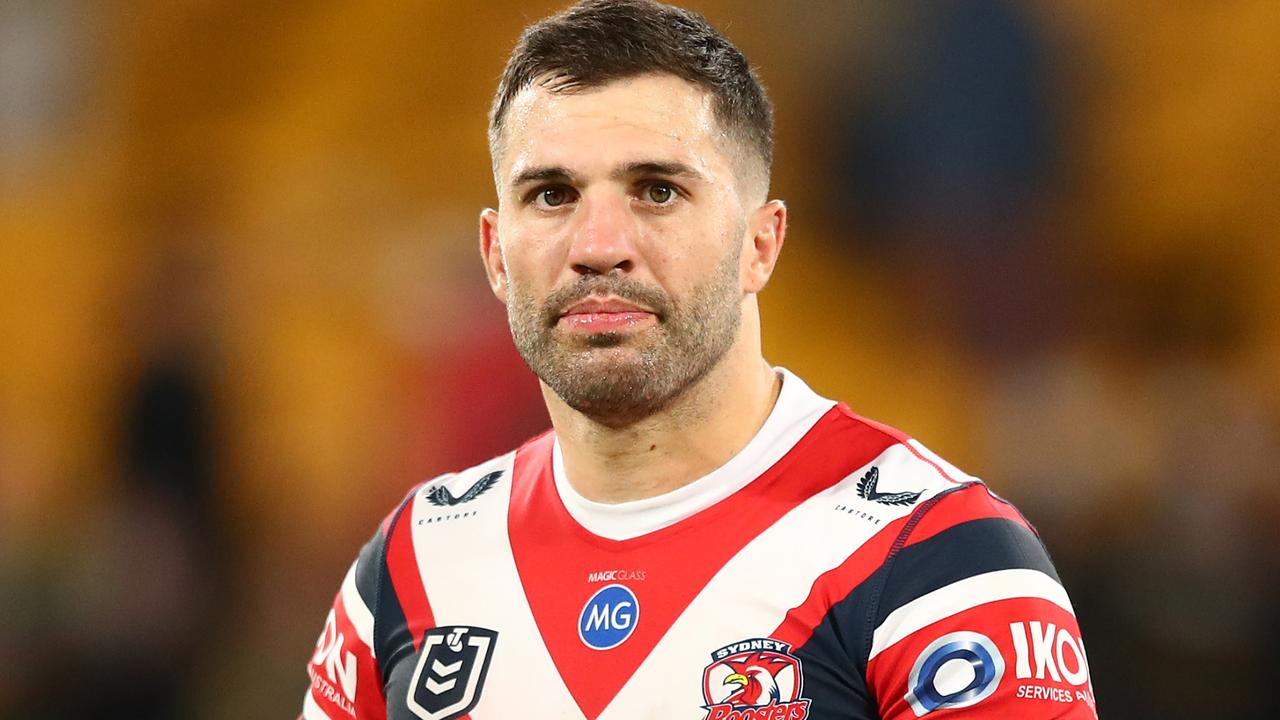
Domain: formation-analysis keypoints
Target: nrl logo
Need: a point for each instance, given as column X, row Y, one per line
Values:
column 450, row 672
column 441, row 497
column 867, row 491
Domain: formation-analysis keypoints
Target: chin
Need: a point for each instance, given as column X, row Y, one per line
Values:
column 611, row 359
column 605, row 341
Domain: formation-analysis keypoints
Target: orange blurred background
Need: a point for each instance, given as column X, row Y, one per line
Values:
column 242, row 311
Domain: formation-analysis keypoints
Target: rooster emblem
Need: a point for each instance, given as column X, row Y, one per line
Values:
column 755, row 680
column 751, row 674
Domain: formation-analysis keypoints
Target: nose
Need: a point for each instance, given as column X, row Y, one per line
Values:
column 604, row 239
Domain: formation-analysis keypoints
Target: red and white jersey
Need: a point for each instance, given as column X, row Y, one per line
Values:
column 834, row 568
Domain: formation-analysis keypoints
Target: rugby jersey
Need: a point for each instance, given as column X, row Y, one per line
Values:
column 833, row 569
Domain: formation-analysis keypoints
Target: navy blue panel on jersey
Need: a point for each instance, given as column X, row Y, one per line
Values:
column 369, row 570
column 836, row 692
column 842, row 642
column 964, row 550
column 843, row 639
column 391, row 636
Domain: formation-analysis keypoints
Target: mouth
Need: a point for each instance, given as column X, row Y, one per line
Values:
column 607, row 314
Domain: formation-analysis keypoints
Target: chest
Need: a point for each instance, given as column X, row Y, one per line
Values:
column 535, row 613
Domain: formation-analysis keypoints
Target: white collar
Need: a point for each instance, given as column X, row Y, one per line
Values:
column 798, row 408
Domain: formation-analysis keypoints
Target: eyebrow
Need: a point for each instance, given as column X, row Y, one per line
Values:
column 544, row 173
column 656, row 167
column 555, row 173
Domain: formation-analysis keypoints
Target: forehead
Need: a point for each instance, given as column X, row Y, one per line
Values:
column 648, row 117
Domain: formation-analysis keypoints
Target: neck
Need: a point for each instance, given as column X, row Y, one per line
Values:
column 701, row 430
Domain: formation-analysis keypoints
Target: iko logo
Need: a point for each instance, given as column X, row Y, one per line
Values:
column 1048, row 648
column 441, row 497
column 451, row 671
column 956, row 670
column 609, row 617
column 867, row 491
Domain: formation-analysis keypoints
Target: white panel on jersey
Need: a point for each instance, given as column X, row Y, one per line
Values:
column 956, row 473
column 963, row 595
column 771, row 575
column 356, row 610
column 312, row 711
column 471, row 579
column 797, row 410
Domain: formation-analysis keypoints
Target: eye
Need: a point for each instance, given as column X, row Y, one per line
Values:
column 661, row 193
column 553, row 196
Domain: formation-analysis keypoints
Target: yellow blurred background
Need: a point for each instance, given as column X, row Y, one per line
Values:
column 242, row 313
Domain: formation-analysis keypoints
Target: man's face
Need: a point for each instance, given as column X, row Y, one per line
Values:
column 617, row 243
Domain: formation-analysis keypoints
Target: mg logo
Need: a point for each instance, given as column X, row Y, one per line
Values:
column 609, row 617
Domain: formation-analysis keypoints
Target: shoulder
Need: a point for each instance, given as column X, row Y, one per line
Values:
column 951, row 527
column 960, row 509
column 481, row 491
column 904, row 453
column 438, row 498
column 465, row 486
column 966, row 573
column 962, row 545
column 883, row 469
column 483, row 484
column 951, row 502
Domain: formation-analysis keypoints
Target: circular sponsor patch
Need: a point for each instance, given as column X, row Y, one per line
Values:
column 956, row 670
column 609, row 617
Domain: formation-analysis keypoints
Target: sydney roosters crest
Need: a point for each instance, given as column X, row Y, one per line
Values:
column 756, row 679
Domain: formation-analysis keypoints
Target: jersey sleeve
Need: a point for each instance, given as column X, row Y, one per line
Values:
column 345, row 677
column 972, row 621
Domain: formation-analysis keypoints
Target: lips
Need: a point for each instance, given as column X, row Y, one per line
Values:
column 605, row 314
column 596, row 304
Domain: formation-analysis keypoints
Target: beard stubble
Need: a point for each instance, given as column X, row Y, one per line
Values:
column 619, row 378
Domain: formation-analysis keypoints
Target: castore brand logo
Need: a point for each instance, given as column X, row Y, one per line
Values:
column 441, row 497
column 867, row 491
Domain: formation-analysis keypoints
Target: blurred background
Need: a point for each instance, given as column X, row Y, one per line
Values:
column 242, row 311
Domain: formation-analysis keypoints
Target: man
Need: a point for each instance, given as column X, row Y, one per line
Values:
column 700, row 535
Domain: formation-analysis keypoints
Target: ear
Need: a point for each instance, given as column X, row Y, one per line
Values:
column 768, row 228
column 491, row 253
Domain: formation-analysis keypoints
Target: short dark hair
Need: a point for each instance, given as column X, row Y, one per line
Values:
column 595, row 42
